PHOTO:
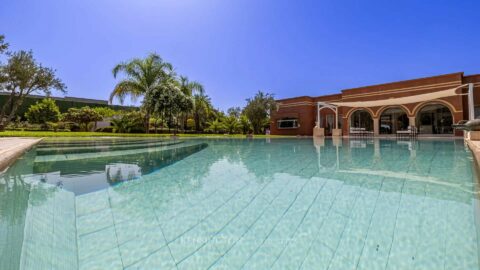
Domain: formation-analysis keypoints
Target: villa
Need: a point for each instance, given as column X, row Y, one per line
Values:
column 431, row 105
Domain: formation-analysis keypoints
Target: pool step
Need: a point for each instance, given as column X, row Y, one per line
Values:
column 81, row 156
column 99, row 148
column 99, row 142
column 49, row 240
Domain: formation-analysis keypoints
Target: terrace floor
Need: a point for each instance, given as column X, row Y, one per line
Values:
column 12, row 148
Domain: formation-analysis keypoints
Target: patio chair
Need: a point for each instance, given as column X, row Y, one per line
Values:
column 411, row 131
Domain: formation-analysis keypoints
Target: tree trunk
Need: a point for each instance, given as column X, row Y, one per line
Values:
column 197, row 122
column 147, row 122
column 4, row 111
column 17, row 103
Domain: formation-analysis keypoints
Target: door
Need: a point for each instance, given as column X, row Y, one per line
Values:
column 330, row 124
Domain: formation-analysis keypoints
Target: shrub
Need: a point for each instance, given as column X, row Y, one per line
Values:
column 215, row 126
column 83, row 117
column 190, row 124
column 105, row 112
column 43, row 112
column 105, row 129
column 131, row 122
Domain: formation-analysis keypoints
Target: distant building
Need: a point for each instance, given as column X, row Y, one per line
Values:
column 430, row 104
column 64, row 103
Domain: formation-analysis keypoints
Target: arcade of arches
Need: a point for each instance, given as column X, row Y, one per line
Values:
column 430, row 104
column 429, row 119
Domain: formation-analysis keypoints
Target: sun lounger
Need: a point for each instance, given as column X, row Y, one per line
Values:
column 411, row 132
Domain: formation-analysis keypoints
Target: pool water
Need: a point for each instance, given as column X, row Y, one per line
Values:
column 240, row 204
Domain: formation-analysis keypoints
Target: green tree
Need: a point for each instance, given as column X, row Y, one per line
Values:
column 82, row 116
column 234, row 111
column 202, row 108
column 21, row 76
column 42, row 112
column 167, row 101
column 141, row 77
column 3, row 45
column 106, row 112
column 258, row 110
column 131, row 122
column 190, row 124
column 215, row 126
column 189, row 89
column 245, row 124
column 231, row 124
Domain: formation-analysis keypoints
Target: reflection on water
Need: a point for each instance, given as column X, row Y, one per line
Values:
column 97, row 171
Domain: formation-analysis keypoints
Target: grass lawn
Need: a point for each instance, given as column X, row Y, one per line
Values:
column 105, row 134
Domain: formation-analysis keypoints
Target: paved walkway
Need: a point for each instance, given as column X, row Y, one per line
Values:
column 12, row 148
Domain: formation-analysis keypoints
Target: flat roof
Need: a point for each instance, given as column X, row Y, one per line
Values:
column 341, row 91
column 66, row 98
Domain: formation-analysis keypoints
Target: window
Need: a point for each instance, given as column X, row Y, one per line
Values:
column 392, row 120
column 361, row 119
column 477, row 112
column 287, row 123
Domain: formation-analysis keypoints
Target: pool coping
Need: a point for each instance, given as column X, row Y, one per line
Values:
column 18, row 146
column 475, row 148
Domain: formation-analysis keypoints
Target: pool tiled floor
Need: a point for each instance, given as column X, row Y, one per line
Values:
column 260, row 205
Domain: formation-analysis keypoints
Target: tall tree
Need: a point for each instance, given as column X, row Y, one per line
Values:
column 234, row 112
column 258, row 110
column 21, row 76
column 82, row 116
column 189, row 89
column 167, row 101
column 231, row 124
column 3, row 44
column 202, row 108
column 141, row 77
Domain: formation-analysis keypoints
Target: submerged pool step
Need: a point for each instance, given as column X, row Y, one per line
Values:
column 99, row 172
column 99, row 142
column 82, row 156
column 50, row 234
column 100, row 148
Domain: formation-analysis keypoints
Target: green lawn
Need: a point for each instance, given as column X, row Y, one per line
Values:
column 104, row 134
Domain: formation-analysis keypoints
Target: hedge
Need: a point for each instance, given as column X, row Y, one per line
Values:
column 63, row 105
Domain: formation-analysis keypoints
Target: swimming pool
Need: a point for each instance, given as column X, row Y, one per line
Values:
column 235, row 203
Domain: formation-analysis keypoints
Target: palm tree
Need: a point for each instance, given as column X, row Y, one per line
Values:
column 189, row 89
column 215, row 126
column 231, row 124
column 141, row 77
column 202, row 107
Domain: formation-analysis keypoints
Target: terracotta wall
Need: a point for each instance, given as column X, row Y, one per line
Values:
column 304, row 108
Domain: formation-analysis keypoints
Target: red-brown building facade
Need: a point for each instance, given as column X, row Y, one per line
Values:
column 298, row 115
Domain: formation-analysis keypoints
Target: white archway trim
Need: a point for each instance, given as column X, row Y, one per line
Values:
column 324, row 105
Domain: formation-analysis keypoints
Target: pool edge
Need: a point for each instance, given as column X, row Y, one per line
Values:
column 10, row 154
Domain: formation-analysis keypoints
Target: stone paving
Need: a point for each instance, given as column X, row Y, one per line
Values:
column 12, row 148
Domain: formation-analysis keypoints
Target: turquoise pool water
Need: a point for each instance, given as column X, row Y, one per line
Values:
column 240, row 204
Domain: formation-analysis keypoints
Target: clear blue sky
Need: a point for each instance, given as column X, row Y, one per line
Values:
column 237, row 47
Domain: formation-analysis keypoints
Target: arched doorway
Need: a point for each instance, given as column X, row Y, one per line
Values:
column 434, row 119
column 361, row 119
column 393, row 119
column 327, row 120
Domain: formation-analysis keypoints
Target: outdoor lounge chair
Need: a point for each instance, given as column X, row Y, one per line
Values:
column 411, row 132
column 354, row 131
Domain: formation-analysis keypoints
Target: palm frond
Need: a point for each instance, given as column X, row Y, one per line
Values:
column 127, row 88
